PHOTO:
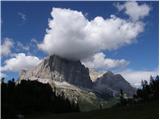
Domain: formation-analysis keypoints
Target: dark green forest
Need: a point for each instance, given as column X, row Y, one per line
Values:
column 149, row 91
column 32, row 99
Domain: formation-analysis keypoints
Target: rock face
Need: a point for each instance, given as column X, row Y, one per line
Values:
column 94, row 74
column 112, row 84
column 59, row 69
column 68, row 78
column 72, row 79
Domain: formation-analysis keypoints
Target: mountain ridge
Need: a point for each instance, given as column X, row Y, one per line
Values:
column 114, row 82
column 72, row 79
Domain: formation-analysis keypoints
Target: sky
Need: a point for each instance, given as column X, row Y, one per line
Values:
column 118, row 36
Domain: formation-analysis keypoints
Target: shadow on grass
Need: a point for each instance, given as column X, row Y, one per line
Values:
column 148, row 110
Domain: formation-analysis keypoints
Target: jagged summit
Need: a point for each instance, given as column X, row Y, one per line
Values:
column 94, row 74
column 59, row 69
column 72, row 79
column 114, row 83
column 56, row 69
column 68, row 78
column 108, row 73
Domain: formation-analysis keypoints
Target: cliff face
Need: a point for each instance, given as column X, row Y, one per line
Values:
column 56, row 69
column 94, row 74
column 113, row 83
column 71, row 79
column 68, row 78
column 59, row 69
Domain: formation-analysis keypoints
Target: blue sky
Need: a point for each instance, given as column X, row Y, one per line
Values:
column 25, row 21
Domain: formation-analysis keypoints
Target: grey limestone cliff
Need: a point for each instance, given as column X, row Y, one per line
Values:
column 113, row 83
column 59, row 69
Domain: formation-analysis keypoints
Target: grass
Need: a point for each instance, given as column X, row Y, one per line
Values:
column 137, row 111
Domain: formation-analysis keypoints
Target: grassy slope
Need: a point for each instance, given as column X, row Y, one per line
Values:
column 145, row 110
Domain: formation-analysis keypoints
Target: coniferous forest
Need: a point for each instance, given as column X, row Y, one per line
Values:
column 149, row 91
column 32, row 97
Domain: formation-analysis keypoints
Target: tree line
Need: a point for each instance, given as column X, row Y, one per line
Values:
column 32, row 97
column 149, row 91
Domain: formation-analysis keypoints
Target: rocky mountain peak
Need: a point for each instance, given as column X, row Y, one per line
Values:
column 108, row 73
column 94, row 74
column 68, row 76
column 113, row 82
column 59, row 69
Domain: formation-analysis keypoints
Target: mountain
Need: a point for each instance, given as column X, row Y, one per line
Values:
column 58, row 69
column 72, row 80
column 111, row 84
column 68, row 78
column 94, row 74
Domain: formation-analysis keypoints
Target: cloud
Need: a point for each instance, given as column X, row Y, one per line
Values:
column 20, row 46
column 33, row 44
column 29, row 48
column 6, row 47
column 71, row 35
column 22, row 15
column 135, row 77
column 134, row 10
column 99, row 61
column 20, row 62
column 34, row 41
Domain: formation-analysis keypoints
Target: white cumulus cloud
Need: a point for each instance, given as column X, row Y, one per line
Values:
column 6, row 47
column 134, row 10
column 135, row 77
column 99, row 61
column 20, row 62
column 71, row 35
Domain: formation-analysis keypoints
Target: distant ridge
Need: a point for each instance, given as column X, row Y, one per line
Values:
column 72, row 79
column 113, row 83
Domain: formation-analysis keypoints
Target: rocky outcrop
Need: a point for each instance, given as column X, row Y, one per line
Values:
column 95, row 74
column 72, row 80
column 67, row 78
column 59, row 69
column 111, row 84
column 86, row 99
